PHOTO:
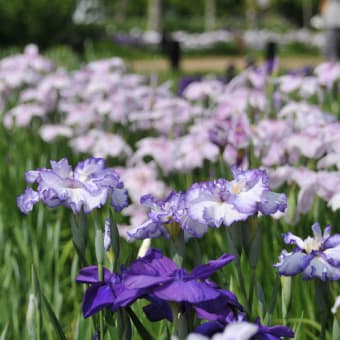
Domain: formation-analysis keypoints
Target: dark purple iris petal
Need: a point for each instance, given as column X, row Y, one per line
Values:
column 210, row 328
column 90, row 275
column 273, row 332
column 96, row 298
column 158, row 309
column 190, row 291
column 206, row 270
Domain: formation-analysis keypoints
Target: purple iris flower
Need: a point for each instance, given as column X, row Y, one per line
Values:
column 111, row 293
column 103, row 294
column 224, row 202
column 87, row 187
column 161, row 213
column 166, row 281
column 218, row 309
column 259, row 332
column 317, row 256
column 164, row 213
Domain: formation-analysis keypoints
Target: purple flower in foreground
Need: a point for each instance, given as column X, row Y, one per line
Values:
column 103, row 294
column 87, row 187
column 224, row 202
column 317, row 256
column 156, row 278
column 161, row 276
column 238, row 324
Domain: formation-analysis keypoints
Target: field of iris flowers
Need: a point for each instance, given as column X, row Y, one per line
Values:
column 130, row 212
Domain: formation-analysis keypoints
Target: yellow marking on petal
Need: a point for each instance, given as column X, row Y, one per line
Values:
column 237, row 188
column 311, row 244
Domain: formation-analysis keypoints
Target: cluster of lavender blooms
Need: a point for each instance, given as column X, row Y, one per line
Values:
column 252, row 38
column 86, row 188
column 155, row 277
column 208, row 120
column 211, row 204
column 159, row 280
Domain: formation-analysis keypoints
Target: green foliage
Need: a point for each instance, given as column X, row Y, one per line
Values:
column 45, row 22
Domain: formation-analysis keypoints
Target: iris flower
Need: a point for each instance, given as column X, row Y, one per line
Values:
column 156, row 278
column 163, row 213
column 87, row 187
column 236, row 324
column 166, row 281
column 103, row 293
column 317, row 256
column 224, row 202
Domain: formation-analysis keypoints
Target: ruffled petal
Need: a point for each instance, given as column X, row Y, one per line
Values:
column 271, row 202
column 292, row 263
column 27, row 200
column 224, row 213
column 149, row 229
column 119, row 198
column 319, row 267
column 290, row 238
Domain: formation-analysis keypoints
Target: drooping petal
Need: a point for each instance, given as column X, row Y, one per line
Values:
column 319, row 267
column 96, row 298
column 209, row 328
column 158, row 309
column 27, row 200
column 333, row 255
column 271, row 202
column 204, row 271
column 119, row 198
column 149, row 229
column 292, row 263
column 223, row 213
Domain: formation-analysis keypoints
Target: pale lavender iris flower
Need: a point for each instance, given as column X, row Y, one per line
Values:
column 317, row 256
column 87, row 187
column 224, row 202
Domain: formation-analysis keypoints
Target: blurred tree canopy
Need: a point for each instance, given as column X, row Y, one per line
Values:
column 49, row 22
column 46, row 22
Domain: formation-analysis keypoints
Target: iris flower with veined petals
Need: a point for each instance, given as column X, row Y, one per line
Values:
column 104, row 293
column 224, row 202
column 237, row 323
column 87, row 187
column 163, row 213
column 165, row 280
column 317, row 256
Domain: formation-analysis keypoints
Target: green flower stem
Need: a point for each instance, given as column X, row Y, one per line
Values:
column 238, row 265
column 251, row 290
column 323, row 305
column 100, row 254
column 180, row 326
column 178, row 244
column 101, row 315
column 336, row 329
